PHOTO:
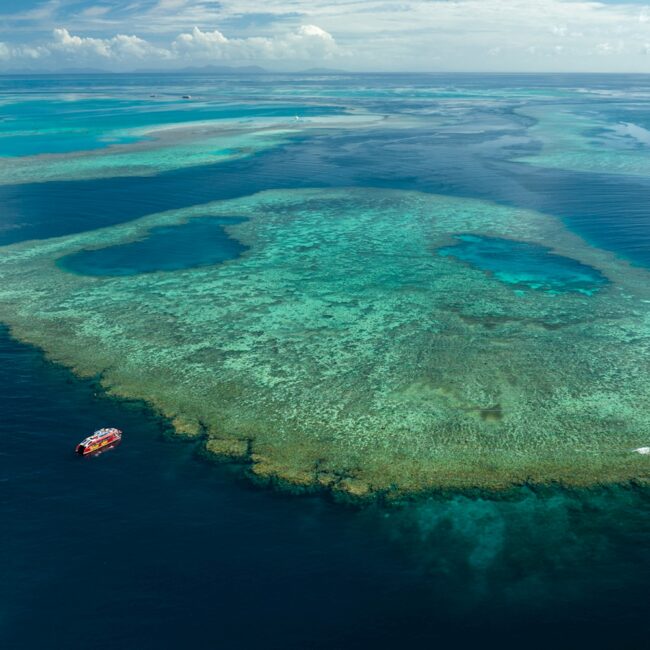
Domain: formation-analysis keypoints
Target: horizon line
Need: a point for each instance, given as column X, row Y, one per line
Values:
column 242, row 70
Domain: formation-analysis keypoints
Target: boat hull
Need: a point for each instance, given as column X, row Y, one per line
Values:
column 95, row 443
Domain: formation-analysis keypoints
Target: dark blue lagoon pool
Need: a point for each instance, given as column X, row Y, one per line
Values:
column 198, row 242
column 152, row 546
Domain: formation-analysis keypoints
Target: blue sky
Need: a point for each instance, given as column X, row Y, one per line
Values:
column 418, row 35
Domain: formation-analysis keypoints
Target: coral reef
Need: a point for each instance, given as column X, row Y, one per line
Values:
column 340, row 350
column 164, row 148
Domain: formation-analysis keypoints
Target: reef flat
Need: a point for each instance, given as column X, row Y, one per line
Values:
column 343, row 350
column 166, row 147
column 587, row 141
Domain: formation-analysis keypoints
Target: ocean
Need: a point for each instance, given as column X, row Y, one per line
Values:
column 156, row 545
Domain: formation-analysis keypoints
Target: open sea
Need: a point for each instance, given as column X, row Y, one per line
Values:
column 154, row 546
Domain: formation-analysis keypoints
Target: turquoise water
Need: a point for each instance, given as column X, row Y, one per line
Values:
column 525, row 265
column 62, row 141
column 199, row 242
column 67, row 123
column 174, row 550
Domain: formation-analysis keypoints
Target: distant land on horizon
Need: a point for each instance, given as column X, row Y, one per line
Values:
column 206, row 69
column 259, row 70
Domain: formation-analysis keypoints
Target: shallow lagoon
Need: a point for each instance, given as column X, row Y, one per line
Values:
column 57, row 124
column 525, row 265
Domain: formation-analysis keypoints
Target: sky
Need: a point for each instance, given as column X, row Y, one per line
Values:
column 361, row 35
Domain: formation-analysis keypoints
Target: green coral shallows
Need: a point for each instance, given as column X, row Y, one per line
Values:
column 341, row 350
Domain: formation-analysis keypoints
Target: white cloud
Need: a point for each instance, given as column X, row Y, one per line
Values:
column 121, row 47
column 367, row 34
column 95, row 11
column 10, row 53
column 65, row 42
column 212, row 42
column 31, row 53
column 307, row 43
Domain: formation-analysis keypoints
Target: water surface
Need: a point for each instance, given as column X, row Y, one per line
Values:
column 174, row 551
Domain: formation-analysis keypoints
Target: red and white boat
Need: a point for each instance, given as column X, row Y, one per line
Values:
column 101, row 439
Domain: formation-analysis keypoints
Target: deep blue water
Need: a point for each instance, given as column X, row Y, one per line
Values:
column 524, row 265
column 611, row 211
column 198, row 242
column 150, row 546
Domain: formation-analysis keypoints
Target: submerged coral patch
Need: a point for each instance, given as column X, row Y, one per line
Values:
column 198, row 242
column 525, row 265
column 339, row 352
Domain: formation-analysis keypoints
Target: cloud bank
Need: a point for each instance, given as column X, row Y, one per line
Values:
column 418, row 35
column 308, row 43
